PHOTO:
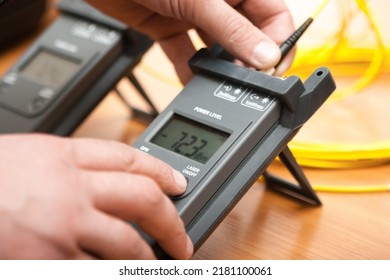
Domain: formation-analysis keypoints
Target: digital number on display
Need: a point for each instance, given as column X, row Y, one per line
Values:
column 189, row 138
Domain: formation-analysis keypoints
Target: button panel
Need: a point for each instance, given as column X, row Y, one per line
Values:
column 25, row 97
column 247, row 97
column 94, row 33
column 257, row 101
column 230, row 91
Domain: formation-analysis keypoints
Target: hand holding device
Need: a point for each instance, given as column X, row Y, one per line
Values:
column 250, row 30
column 71, row 199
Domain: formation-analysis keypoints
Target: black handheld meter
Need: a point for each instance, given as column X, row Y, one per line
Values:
column 224, row 129
column 68, row 70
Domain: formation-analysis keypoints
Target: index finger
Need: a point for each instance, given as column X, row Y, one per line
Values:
column 104, row 155
column 137, row 199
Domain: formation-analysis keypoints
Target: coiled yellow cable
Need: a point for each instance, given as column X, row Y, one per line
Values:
column 345, row 60
column 337, row 53
column 328, row 155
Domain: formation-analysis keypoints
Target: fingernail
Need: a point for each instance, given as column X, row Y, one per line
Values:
column 266, row 54
column 190, row 247
column 269, row 71
column 180, row 179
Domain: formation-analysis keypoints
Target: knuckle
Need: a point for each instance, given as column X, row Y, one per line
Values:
column 153, row 195
column 179, row 230
column 136, row 248
column 237, row 32
column 129, row 161
column 164, row 174
column 59, row 243
column 158, row 170
column 179, row 9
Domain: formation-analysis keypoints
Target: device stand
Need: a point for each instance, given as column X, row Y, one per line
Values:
column 302, row 191
column 138, row 114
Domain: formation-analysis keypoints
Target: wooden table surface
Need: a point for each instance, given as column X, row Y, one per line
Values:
column 264, row 224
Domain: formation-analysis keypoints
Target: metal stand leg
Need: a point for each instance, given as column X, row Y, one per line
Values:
column 140, row 115
column 302, row 191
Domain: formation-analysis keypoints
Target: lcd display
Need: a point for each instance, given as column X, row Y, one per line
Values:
column 189, row 138
column 49, row 69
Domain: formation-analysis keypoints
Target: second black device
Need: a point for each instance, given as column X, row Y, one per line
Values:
column 68, row 70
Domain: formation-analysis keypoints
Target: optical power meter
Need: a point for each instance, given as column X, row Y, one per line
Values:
column 223, row 130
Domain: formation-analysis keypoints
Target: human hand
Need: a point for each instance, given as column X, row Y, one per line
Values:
column 72, row 199
column 250, row 30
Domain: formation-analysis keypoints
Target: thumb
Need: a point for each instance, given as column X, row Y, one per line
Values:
column 235, row 33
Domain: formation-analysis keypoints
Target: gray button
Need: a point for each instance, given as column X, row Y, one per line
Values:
column 257, row 101
column 230, row 91
column 37, row 104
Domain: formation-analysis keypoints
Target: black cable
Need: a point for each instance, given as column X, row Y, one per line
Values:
column 287, row 45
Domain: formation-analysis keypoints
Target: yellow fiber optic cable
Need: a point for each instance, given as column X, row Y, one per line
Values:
column 320, row 8
column 345, row 60
column 379, row 150
column 341, row 156
column 352, row 189
column 348, row 188
column 330, row 54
